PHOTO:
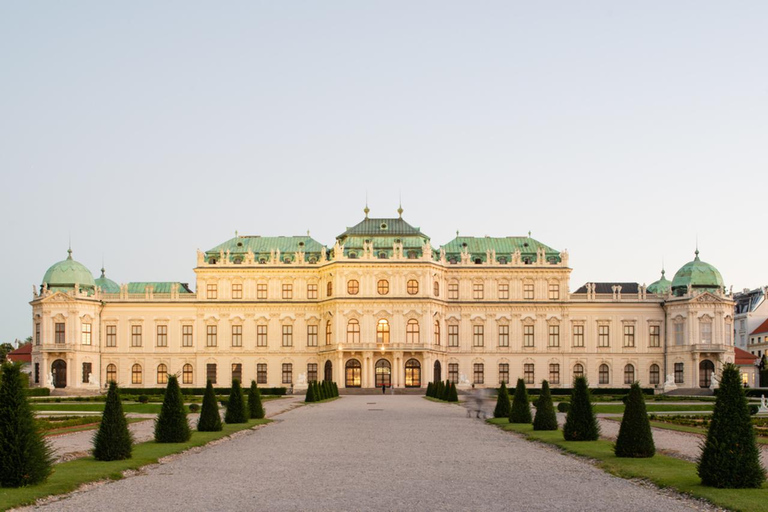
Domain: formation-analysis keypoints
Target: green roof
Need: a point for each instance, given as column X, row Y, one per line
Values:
column 263, row 245
column 661, row 286
column 159, row 287
column 504, row 247
column 699, row 275
column 67, row 273
column 382, row 227
column 107, row 285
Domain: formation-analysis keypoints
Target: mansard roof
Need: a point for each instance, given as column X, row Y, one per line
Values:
column 382, row 227
column 504, row 247
column 159, row 287
column 263, row 245
column 608, row 287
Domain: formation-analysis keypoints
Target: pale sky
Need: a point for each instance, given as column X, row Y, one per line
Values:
column 146, row 130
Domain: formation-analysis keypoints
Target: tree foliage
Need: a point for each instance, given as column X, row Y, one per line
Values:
column 580, row 422
column 210, row 418
column 113, row 440
column 171, row 425
column 236, row 412
column 546, row 418
column 255, row 407
column 502, row 403
column 520, row 412
column 635, row 436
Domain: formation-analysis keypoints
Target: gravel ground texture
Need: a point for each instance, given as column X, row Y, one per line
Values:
column 376, row 453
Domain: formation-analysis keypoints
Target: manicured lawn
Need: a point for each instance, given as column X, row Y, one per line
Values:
column 68, row 476
column 662, row 470
column 81, row 428
column 96, row 406
column 431, row 399
column 619, row 408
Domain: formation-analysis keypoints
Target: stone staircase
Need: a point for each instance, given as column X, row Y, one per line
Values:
column 377, row 391
column 691, row 392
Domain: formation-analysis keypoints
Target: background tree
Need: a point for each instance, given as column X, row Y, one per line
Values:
column 5, row 348
column 236, row 412
column 210, row 418
column 635, row 436
column 113, row 440
column 171, row 425
column 502, row 403
column 730, row 457
column 25, row 457
column 580, row 422
column 255, row 408
column 520, row 412
column 546, row 418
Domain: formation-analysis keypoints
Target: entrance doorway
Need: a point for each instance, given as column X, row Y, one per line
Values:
column 59, row 372
column 352, row 374
column 328, row 371
column 437, row 377
column 412, row 374
column 706, row 368
column 383, row 373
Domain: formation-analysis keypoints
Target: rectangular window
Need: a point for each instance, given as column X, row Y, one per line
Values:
column 237, row 335
column 186, row 336
column 135, row 335
column 528, row 336
column 212, row 291
column 287, row 291
column 237, row 291
column 478, row 335
column 504, row 373
column 237, row 371
column 311, row 372
column 211, row 335
column 111, row 340
column 528, row 291
column 453, row 372
column 479, row 373
column 311, row 291
column 603, row 336
column 312, row 335
column 477, row 291
column 503, row 335
column 529, row 373
column 503, row 291
column 453, row 290
column 210, row 372
column 85, row 335
column 287, row 335
column 261, row 291
column 453, row 335
column 654, row 332
column 60, row 333
column 287, row 373
column 87, row 369
column 728, row 334
column 37, row 333
column 554, row 373
column 706, row 332
column 679, row 376
column 578, row 335
column 162, row 335
column 629, row 336
column 679, row 333
column 37, row 373
column 554, row 336
column 554, row 292
column 261, row 335
column 261, row 373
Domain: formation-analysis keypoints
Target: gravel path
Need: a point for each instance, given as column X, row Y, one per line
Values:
column 375, row 453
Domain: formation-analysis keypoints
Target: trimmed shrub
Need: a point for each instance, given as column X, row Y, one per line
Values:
column 730, row 457
column 635, row 437
column 545, row 418
column 563, row 407
column 446, row 391
column 310, row 396
column 429, row 389
column 502, row 403
column 753, row 409
column 171, row 425
column 210, row 418
column 438, row 392
column 453, row 396
column 38, row 392
column 255, row 408
column 143, row 399
column 113, row 440
column 520, row 412
column 194, row 407
column 581, row 423
column 236, row 412
column 25, row 457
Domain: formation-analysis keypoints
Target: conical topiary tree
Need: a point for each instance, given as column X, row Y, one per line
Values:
column 113, row 440
column 310, row 396
column 210, row 418
column 438, row 393
column 255, row 408
column 520, row 412
column 446, row 391
column 171, row 425
column 545, row 418
column 730, row 457
column 502, row 403
column 580, row 422
column 429, row 389
column 236, row 412
column 635, row 437
column 453, row 394
column 335, row 389
column 25, row 457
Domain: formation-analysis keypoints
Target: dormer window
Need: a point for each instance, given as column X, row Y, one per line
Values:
column 212, row 261
column 478, row 261
column 382, row 255
column 353, row 255
column 383, row 225
column 237, row 260
column 412, row 255
column 262, row 261
column 239, row 244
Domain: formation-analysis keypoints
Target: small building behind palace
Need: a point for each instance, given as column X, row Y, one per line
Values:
column 381, row 306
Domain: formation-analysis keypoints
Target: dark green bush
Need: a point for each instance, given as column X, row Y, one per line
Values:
column 429, row 389
column 563, row 407
column 143, row 399
column 581, row 423
column 171, row 424
column 194, row 407
column 520, row 412
column 113, row 440
column 310, row 396
column 453, row 396
column 38, row 392
column 236, row 412
column 635, row 437
column 502, row 403
column 545, row 418
column 753, row 408
column 210, row 418
column 255, row 408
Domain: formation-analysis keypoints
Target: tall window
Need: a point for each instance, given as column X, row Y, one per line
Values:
column 85, row 335
column 212, row 291
column 37, row 373
column 135, row 335
column 353, row 331
column 528, row 335
column 328, row 332
column 261, row 335
column 162, row 374
column 237, row 291
column 504, row 373
column 186, row 336
column 287, row 373
column 578, row 370
column 287, row 291
column 554, row 292
column 603, row 374
column 603, row 336
column 37, row 333
column 453, row 290
column 528, row 291
column 479, row 373
column 728, row 334
column 578, row 335
column 261, row 291
column 312, row 335
column 629, row 374
column 554, row 336
column 478, row 335
column 353, row 287
column 329, row 289
column 287, row 335
column 412, row 287
column 237, row 335
column 706, row 332
column 210, row 372
column 453, row 335
column 261, row 373
column 87, row 369
column 503, row 335
column 352, row 374
column 382, row 287
column 629, row 336
column 503, row 291
column 679, row 375
column 111, row 373
column 311, row 291
column 237, row 371
column 554, row 373
column 186, row 374
column 654, row 332
column 436, row 289
column 412, row 331
column 654, row 374
column 478, row 291
column 136, row 374
column 437, row 332
column 528, row 373
column 311, row 372
column 679, row 333
column 60, row 333
column 162, row 335
column 211, row 335
column 453, row 372
column 382, row 331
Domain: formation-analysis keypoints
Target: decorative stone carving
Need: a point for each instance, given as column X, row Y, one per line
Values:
column 669, row 384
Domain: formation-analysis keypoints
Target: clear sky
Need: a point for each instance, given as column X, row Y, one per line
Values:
column 146, row 130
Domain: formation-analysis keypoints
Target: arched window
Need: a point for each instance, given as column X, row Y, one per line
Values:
column 603, row 374
column 412, row 287
column 412, row 331
column 328, row 371
column 353, row 287
column 382, row 287
column 328, row 332
column 383, row 373
column 578, row 370
column 329, row 289
column 352, row 371
column 629, row 374
column 186, row 374
column 437, row 332
column 412, row 374
column 654, row 377
column 353, row 331
column 436, row 289
column 136, row 374
column 162, row 374
column 111, row 373
column 382, row 331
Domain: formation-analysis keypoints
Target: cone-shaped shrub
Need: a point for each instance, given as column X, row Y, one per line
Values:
column 171, row 425
column 580, row 422
column 429, row 389
column 730, row 458
column 446, row 390
column 210, row 419
column 328, row 391
column 113, row 440
column 438, row 391
column 520, row 412
column 318, row 391
column 255, row 408
column 335, row 389
column 310, row 396
column 453, row 395
column 25, row 457
column 635, row 437
column 545, row 418
column 502, row 403
column 236, row 412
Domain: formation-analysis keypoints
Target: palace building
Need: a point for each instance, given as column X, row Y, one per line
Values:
column 381, row 306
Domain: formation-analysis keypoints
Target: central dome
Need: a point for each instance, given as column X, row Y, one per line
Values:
column 68, row 273
column 699, row 275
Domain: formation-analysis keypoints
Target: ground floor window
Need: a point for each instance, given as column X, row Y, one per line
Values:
column 353, row 372
column 328, row 371
column 37, row 371
column 162, row 374
column 412, row 373
column 679, row 375
column 111, row 373
column 311, row 372
column 287, row 373
column 654, row 374
column 261, row 373
column 87, row 368
column 603, row 374
column 629, row 374
column 237, row 371
column 479, row 373
column 453, row 372
column 383, row 373
column 186, row 374
column 528, row 373
column 554, row 373
column 504, row 373
column 210, row 372
column 136, row 374
column 578, row 370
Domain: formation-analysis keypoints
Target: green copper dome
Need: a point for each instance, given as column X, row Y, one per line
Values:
column 107, row 285
column 698, row 275
column 67, row 273
column 661, row 286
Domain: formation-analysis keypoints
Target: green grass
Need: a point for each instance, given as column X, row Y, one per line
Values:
column 68, row 476
column 619, row 408
column 662, row 470
column 431, row 399
column 97, row 407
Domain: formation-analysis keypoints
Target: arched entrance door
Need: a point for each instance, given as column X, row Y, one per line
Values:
column 437, row 377
column 352, row 371
column 383, row 373
column 328, row 371
column 706, row 368
column 59, row 372
column 412, row 374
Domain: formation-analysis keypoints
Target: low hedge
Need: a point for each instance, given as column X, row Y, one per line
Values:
column 38, row 392
column 200, row 391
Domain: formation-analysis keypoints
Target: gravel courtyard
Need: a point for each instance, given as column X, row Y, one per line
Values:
column 374, row 453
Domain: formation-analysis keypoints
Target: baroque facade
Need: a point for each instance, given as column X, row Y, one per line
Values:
column 380, row 307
